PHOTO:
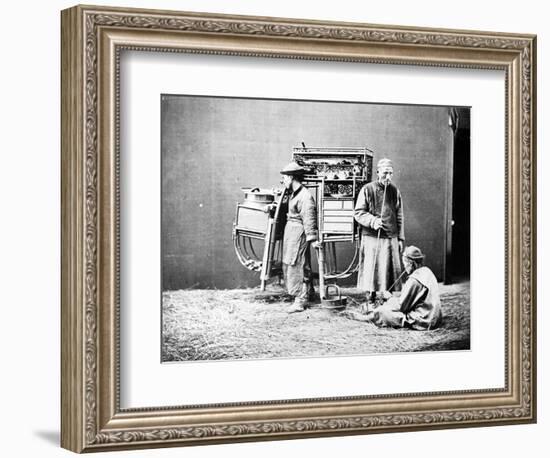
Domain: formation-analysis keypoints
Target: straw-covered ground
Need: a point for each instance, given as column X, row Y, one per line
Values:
column 248, row 324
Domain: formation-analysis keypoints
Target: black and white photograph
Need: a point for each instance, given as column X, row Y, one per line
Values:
column 275, row 229
column 311, row 228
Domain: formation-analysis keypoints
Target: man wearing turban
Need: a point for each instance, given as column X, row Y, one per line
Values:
column 379, row 211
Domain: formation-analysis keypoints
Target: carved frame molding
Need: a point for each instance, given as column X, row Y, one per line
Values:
column 92, row 39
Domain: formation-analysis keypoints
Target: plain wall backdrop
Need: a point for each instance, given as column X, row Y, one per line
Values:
column 29, row 241
column 206, row 142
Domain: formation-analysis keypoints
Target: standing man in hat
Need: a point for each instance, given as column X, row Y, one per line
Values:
column 300, row 231
column 419, row 306
column 379, row 211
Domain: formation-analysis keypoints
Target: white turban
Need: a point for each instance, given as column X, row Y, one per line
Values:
column 385, row 162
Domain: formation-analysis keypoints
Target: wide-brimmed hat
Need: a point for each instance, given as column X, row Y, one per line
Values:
column 293, row 169
column 384, row 162
column 413, row 253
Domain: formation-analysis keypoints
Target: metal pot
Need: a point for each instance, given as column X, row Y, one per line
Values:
column 258, row 197
column 334, row 302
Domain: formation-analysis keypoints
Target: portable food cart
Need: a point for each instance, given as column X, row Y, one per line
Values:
column 334, row 177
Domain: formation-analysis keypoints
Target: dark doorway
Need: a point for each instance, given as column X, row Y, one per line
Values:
column 459, row 268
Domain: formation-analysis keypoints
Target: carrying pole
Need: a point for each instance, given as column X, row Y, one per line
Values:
column 321, row 245
column 269, row 243
column 321, row 259
column 395, row 282
column 267, row 256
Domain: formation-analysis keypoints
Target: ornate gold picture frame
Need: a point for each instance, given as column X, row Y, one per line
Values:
column 92, row 41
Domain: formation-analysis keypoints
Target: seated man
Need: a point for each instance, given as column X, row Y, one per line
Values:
column 419, row 306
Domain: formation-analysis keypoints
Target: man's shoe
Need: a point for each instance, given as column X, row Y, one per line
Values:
column 296, row 307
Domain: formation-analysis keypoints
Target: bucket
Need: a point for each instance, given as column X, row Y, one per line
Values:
column 258, row 197
column 334, row 302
